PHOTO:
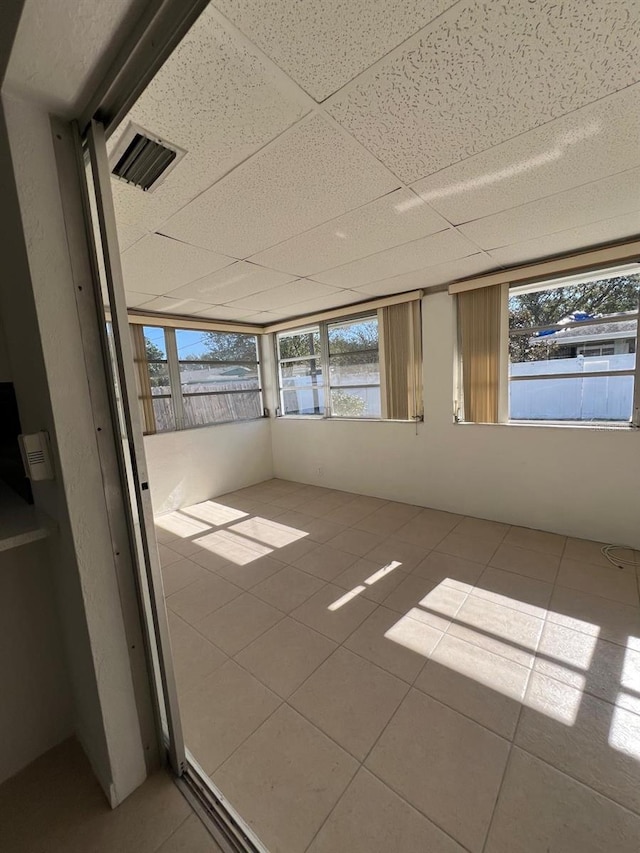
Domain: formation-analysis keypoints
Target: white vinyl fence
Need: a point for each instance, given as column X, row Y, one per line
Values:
column 588, row 398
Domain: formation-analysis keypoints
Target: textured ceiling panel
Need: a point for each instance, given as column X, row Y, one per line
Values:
column 324, row 45
column 157, row 264
column 308, row 175
column 395, row 218
column 128, row 234
column 233, row 282
column 594, row 233
column 134, row 299
column 604, row 136
column 439, row 274
column 217, row 100
column 485, row 72
column 438, row 248
column 324, row 303
column 169, row 305
column 285, row 295
column 221, row 312
column 593, row 202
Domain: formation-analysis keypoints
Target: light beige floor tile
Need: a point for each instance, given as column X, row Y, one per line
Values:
column 516, row 591
column 522, row 561
column 167, row 555
column 591, row 740
column 285, row 655
column 371, row 818
column 222, row 711
column 191, row 837
column 248, row 575
column 609, row 582
column 397, row 643
column 501, row 630
column 207, row 515
column 303, row 772
column 194, row 657
column 588, row 663
column 586, row 551
column 541, row 809
column 271, row 532
column 596, row 616
column 479, row 528
column 164, row 537
column 266, row 510
column 176, row 576
column 486, row 687
column 393, row 550
column 388, row 519
column 187, row 547
column 454, row 571
column 355, row 510
column 350, row 699
column 331, row 612
column 440, row 518
column 429, row 600
column 444, row 764
column 423, row 533
column 315, row 529
column 197, row 600
column 355, row 541
column 322, row 506
column 325, row 562
column 239, row 623
column 55, row 805
column 287, row 589
column 378, row 580
column 209, row 560
column 467, row 547
column 288, row 554
column 536, row 540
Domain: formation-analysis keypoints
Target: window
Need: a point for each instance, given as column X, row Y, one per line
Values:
column 335, row 369
column 571, row 349
column 196, row 377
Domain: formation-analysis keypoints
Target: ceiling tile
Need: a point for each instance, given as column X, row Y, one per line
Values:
column 285, row 295
column 593, row 202
column 262, row 318
column 134, row 299
column 444, row 246
column 325, row 303
column 233, row 282
column 599, row 140
column 583, row 237
column 157, row 264
column 439, row 274
column 323, row 46
column 217, row 99
column 395, row 218
column 168, row 305
column 128, row 235
column 221, row 312
column 310, row 174
column 485, row 72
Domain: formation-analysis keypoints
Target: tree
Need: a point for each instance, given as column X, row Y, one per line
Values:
column 347, row 405
column 547, row 307
column 228, row 346
column 158, row 374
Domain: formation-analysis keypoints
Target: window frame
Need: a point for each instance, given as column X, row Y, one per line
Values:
column 177, row 395
column 324, row 357
column 505, row 378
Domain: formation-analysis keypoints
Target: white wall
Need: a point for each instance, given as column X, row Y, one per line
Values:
column 193, row 465
column 36, row 709
column 579, row 481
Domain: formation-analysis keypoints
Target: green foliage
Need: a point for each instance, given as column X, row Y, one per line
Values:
column 229, row 346
column 347, row 405
column 158, row 373
column 550, row 306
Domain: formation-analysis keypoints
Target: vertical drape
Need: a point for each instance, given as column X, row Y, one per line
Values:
column 143, row 381
column 479, row 342
column 402, row 360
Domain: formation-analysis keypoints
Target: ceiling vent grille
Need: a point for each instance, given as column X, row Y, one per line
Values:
column 142, row 159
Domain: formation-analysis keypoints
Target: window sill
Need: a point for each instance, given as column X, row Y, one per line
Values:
column 337, row 419
column 595, row 426
column 206, row 426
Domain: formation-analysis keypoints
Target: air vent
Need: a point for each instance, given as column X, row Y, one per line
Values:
column 142, row 159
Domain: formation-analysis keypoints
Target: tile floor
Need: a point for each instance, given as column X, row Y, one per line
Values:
column 363, row 675
column 56, row 806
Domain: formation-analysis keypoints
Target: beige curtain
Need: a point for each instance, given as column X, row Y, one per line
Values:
column 401, row 366
column 479, row 342
column 143, row 381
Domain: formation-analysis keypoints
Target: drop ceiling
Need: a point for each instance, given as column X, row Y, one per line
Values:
column 339, row 151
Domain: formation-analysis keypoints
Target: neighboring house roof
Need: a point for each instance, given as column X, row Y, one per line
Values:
column 590, row 331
